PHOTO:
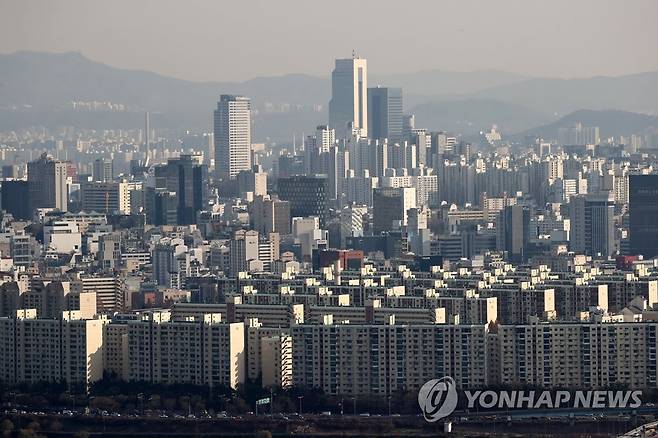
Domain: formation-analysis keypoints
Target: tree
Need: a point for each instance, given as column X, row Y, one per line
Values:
column 6, row 427
column 55, row 426
column 34, row 426
column 104, row 403
column 155, row 402
column 27, row 433
column 169, row 404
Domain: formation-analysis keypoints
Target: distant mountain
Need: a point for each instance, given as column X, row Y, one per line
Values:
column 444, row 83
column 37, row 89
column 50, row 81
column 637, row 93
column 610, row 122
column 471, row 116
column 45, row 79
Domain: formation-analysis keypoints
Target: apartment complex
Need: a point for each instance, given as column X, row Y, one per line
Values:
column 201, row 350
column 346, row 359
column 36, row 350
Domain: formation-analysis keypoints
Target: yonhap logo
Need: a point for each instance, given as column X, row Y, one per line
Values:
column 438, row 398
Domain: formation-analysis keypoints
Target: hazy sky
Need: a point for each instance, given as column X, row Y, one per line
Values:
column 241, row 39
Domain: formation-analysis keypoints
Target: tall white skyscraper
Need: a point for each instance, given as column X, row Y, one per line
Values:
column 349, row 97
column 232, row 133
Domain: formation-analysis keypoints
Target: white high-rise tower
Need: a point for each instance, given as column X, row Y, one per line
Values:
column 348, row 107
column 232, row 132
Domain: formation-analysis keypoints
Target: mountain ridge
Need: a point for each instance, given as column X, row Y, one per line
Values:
column 48, row 82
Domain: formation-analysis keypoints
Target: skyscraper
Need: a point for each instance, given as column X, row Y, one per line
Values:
column 348, row 106
column 317, row 144
column 307, row 196
column 643, row 206
column 15, row 198
column 592, row 224
column 186, row 177
column 385, row 113
column 390, row 206
column 103, row 170
column 147, row 137
column 513, row 232
column 232, row 133
column 47, row 183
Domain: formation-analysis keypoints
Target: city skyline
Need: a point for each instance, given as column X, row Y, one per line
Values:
column 474, row 36
column 292, row 255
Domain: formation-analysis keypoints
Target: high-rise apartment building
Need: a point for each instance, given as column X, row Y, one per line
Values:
column 232, row 134
column 579, row 135
column 348, row 108
column 351, row 359
column 643, row 205
column 385, row 113
column 63, row 350
column 200, row 350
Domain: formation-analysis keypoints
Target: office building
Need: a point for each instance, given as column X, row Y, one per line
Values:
column 320, row 143
column 103, row 170
column 390, row 206
column 270, row 215
column 16, row 198
column 592, row 225
column 161, row 206
column 232, row 134
column 243, row 251
column 385, row 113
column 348, row 107
column 307, row 196
column 110, row 292
column 105, row 197
column 46, row 178
column 252, row 181
column 643, row 212
column 187, row 177
column 513, row 231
